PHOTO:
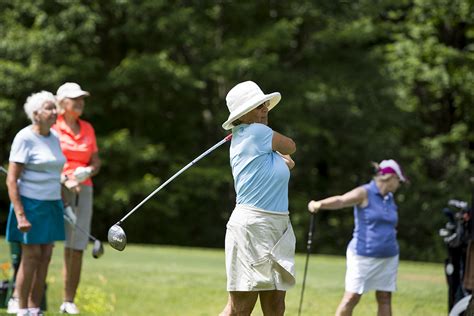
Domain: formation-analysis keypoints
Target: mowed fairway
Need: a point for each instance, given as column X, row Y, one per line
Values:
column 162, row 280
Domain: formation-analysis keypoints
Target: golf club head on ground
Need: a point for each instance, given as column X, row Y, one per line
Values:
column 98, row 249
column 117, row 238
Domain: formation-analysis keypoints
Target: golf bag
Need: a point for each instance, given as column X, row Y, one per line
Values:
column 457, row 234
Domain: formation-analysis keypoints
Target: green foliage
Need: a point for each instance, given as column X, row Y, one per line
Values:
column 361, row 81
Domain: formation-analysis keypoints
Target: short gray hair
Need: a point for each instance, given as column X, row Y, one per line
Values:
column 35, row 101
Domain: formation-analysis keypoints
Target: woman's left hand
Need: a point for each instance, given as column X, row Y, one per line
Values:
column 314, row 206
column 287, row 158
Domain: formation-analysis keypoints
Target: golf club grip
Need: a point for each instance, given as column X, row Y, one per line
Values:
column 226, row 139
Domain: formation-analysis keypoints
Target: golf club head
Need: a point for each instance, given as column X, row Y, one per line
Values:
column 98, row 249
column 117, row 238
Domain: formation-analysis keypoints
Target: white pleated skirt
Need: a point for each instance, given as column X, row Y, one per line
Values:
column 260, row 251
column 364, row 274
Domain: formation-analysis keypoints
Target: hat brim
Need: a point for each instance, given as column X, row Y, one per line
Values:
column 251, row 104
column 74, row 95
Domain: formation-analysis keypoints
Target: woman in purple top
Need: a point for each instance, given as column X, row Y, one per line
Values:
column 372, row 254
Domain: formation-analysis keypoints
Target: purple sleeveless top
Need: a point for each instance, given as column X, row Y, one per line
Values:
column 375, row 233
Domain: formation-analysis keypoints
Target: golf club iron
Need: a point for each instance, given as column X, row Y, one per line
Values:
column 116, row 235
column 98, row 249
column 308, row 249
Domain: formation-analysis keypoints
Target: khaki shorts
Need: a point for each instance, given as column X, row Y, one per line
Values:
column 75, row 238
column 260, row 251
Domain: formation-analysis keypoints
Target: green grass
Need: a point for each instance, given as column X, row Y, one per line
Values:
column 162, row 280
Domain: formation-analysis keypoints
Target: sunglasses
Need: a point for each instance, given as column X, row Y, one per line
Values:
column 264, row 104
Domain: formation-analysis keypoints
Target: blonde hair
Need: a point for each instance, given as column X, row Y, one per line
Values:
column 35, row 101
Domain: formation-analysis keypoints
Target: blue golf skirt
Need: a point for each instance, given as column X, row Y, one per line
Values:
column 46, row 218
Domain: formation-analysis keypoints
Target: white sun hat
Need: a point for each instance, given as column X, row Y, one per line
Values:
column 391, row 166
column 70, row 90
column 245, row 97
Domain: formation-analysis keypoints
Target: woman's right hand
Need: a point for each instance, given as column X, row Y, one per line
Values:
column 23, row 224
column 72, row 185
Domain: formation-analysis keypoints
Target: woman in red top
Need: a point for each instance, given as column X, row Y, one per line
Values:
column 78, row 143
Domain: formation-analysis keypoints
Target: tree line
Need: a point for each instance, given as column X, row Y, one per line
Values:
column 361, row 81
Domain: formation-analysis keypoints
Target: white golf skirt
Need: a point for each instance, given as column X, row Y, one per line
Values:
column 260, row 251
column 364, row 274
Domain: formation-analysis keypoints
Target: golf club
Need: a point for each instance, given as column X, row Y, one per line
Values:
column 308, row 248
column 116, row 235
column 98, row 249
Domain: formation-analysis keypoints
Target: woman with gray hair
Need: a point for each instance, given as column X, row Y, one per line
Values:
column 36, row 212
column 372, row 254
column 259, row 242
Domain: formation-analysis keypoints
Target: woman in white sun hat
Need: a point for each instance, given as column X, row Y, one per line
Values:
column 259, row 243
column 372, row 254
column 79, row 145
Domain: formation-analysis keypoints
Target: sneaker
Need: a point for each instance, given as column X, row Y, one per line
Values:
column 13, row 304
column 68, row 308
column 35, row 311
column 23, row 312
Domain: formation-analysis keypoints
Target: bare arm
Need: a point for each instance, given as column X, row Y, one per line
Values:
column 283, row 144
column 95, row 163
column 357, row 196
column 14, row 172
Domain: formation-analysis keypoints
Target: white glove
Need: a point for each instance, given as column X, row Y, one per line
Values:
column 69, row 215
column 82, row 173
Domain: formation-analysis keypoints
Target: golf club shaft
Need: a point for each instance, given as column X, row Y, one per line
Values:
column 308, row 249
column 226, row 139
column 79, row 227
column 3, row 170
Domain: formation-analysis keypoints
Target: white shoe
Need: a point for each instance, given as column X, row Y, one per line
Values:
column 13, row 304
column 35, row 311
column 22, row 312
column 68, row 308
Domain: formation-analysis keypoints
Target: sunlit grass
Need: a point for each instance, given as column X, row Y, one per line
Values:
column 161, row 280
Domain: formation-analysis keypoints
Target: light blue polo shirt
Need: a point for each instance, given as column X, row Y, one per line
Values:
column 261, row 175
column 375, row 233
column 43, row 162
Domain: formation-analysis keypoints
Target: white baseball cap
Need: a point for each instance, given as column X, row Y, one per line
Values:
column 70, row 90
column 245, row 97
column 391, row 166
